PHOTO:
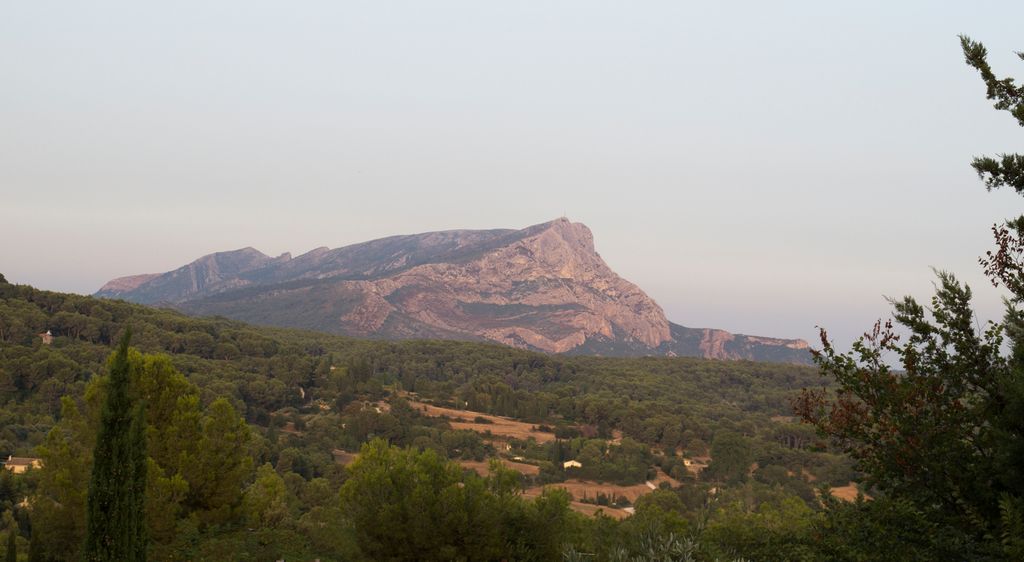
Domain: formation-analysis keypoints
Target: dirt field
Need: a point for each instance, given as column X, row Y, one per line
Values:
column 847, row 492
column 584, row 508
column 481, row 467
column 579, row 488
column 500, row 426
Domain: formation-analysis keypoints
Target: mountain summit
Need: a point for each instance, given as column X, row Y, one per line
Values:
column 543, row 287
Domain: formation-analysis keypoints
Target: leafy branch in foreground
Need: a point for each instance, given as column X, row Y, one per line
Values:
column 944, row 430
column 1008, row 170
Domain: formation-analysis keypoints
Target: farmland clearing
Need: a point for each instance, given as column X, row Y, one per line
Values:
column 498, row 426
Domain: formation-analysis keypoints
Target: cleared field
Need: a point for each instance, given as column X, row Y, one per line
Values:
column 499, row 426
column 847, row 492
column 784, row 419
column 481, row 467
column 584, row 508
column 584, row 488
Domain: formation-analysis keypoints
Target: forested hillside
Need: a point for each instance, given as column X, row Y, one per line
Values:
column 269, row 443
column 245, row 424
column 262, row 370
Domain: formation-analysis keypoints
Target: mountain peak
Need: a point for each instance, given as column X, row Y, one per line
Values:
column 211, row 273
column 543, row 287
column 575, row 233
column 117, row 287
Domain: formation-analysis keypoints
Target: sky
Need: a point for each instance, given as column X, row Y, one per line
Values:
column 760, row 167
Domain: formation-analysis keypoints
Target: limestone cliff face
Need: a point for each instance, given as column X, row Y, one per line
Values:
column 543, row 287
column 547, row 290
column 719, row 344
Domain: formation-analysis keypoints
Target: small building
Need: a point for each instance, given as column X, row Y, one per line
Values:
column 47, row 337
column 572, row 464
column 18, row 465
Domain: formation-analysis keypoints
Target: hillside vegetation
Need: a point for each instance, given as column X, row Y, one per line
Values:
column 245, row 422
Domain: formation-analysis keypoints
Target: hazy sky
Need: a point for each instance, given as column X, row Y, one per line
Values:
column 762, row 167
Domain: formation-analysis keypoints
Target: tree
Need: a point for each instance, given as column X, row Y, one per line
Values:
column 731, row 457
column 12, row 545
column 221, row 463
column 59, row 504
column 264, row 500
column 775, row 530
column 115, row 512
column 195, row 463
column 1008, row 170
column 409, row 505
column 945, row 430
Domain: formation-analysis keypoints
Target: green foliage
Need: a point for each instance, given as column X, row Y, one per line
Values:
column 212, row 415
column 1011, row 516
column 12, row 546
column 659, row 513
column 1008, row 170
column 651, row 547
column 115, row 512
column 59, row 505
column 625, row 463
column 219, row 463
column 889, row 529
column 265, row 499
column 196, row 465
column 731, row 457
column 776, row 530
column 407, row 505
column 943, row 435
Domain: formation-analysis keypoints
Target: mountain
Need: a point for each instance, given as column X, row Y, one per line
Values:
column 543, row 288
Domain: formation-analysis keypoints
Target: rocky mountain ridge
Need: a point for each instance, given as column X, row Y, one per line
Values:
column 543, row 287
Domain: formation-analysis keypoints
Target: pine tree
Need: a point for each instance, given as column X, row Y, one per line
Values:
column 115, row 515
column 944, row 432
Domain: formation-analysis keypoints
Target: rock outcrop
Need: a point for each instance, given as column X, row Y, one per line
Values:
column 544, row 288
column 122, row 285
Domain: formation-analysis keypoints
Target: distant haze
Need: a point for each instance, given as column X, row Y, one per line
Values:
column 757, row 167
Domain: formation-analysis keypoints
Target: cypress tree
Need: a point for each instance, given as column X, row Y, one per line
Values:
column 12, row 546
column 115, row 515
column 139, row 460
column 35, row 547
